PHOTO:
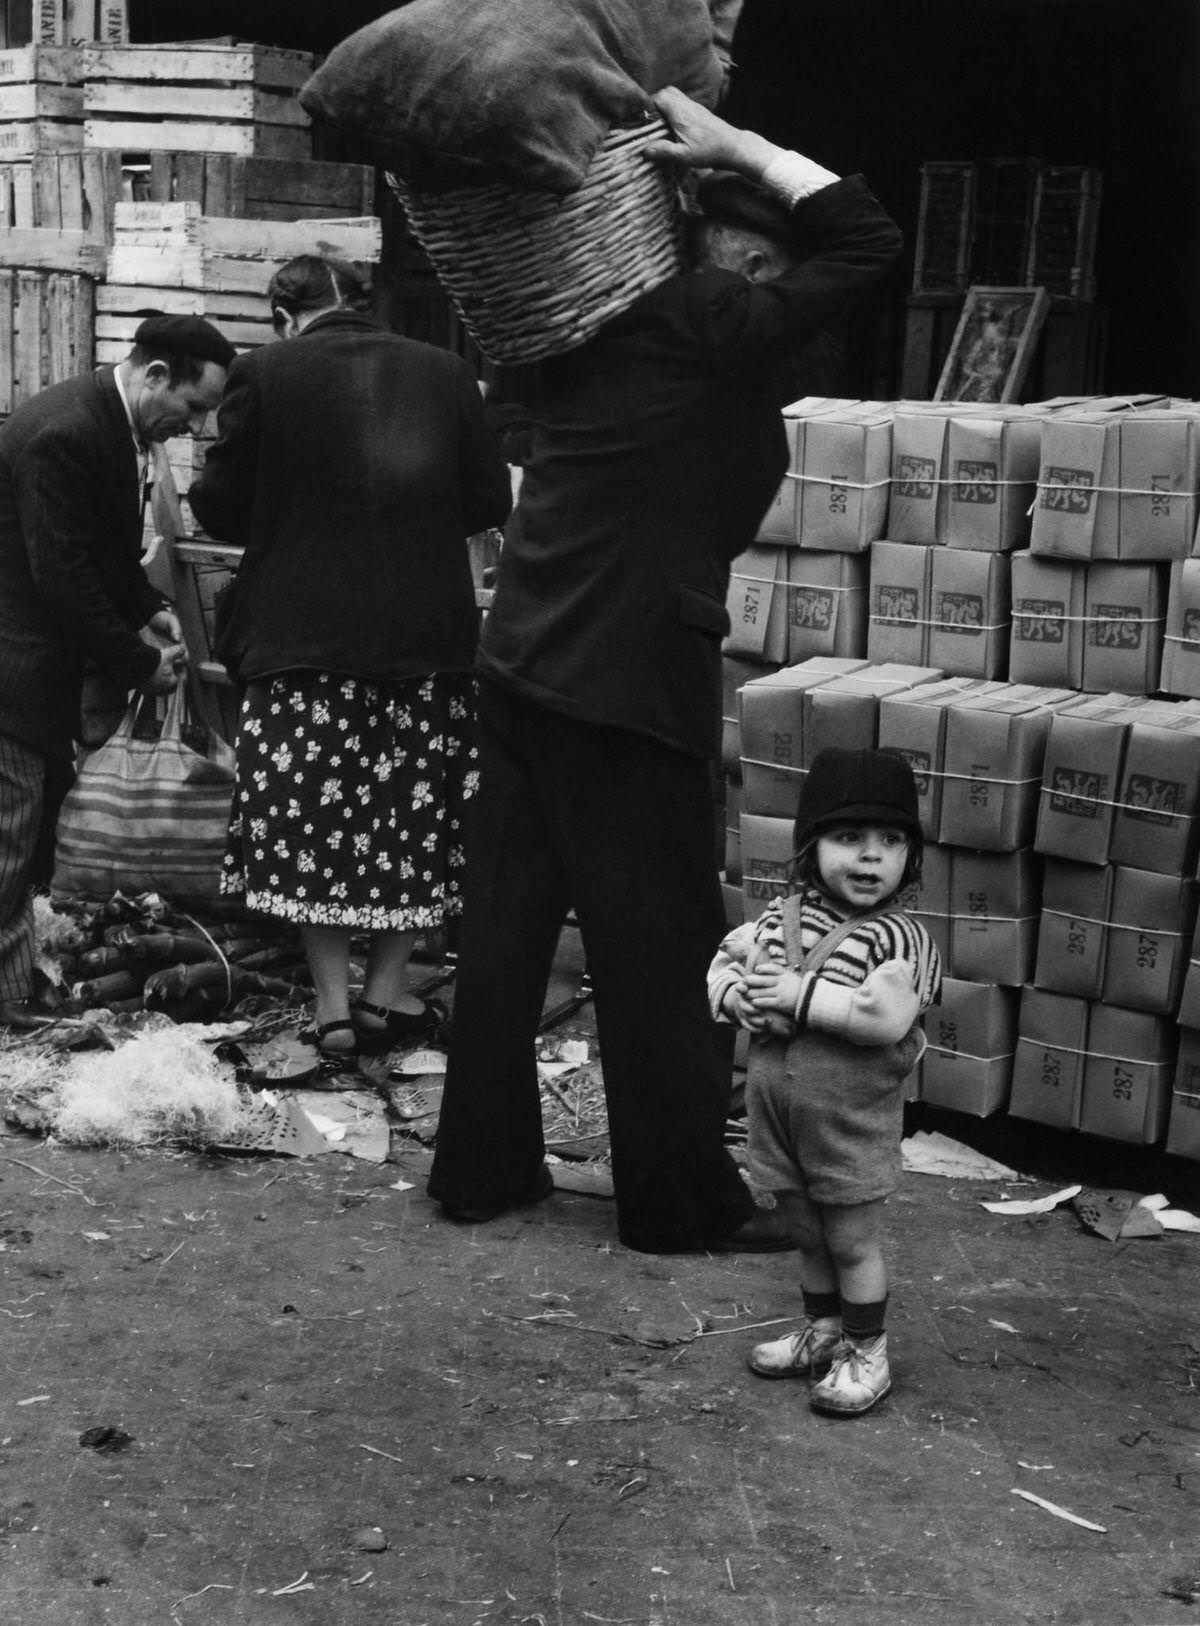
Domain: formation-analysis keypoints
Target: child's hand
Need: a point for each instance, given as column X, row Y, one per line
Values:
column 774, row 988
column 738, row 1008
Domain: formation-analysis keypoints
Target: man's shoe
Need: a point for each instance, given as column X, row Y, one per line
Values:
column 764, row 1232
column 483, row 1213
column 804, row 1354
column 859, row 1376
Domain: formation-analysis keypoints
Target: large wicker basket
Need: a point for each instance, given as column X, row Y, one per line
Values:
column 532, row 275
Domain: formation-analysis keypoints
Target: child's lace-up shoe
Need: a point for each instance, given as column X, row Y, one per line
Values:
column 804, row 1354
column 859, row 1376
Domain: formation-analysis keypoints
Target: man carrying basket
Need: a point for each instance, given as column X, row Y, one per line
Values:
column 659, row 446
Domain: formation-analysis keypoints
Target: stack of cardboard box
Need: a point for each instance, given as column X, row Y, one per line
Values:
column 1013, row 649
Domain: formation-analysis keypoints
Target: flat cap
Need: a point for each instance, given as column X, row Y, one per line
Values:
column 185, row 336
column 733, row 200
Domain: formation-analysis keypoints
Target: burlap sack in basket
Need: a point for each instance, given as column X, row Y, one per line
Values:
column 463, row 92
column 533, row 275
column 147, row 814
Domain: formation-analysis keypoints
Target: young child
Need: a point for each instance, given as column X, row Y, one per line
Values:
column 831, row 982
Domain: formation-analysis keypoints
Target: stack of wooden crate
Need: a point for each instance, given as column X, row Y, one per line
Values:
column 1016, row 223
column 41, row 100
column 207, row 96
column 46, row 306
column 209, row 131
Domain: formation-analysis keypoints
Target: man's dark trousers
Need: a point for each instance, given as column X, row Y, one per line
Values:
column 619, row 827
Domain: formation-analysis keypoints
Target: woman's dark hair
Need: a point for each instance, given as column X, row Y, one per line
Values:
column 312, row 282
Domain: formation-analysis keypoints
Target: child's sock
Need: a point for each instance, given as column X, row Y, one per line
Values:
column 822, row 1306
column 861, row 1322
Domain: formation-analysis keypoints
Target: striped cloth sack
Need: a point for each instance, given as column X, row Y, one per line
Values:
column 148, row 814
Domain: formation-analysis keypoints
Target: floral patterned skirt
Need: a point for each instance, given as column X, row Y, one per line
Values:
column 350, row 796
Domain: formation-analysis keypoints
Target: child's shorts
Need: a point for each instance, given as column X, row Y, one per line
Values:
column 825, row 1117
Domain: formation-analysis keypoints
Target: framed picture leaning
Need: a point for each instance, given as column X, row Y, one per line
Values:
column 993, row 344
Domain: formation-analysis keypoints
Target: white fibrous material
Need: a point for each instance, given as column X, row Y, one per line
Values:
column 52, row 934
column 161, row 1085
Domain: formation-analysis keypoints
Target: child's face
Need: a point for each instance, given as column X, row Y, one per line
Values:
column 861, row 865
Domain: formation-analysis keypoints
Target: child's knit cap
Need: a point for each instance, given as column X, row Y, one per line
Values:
column 857, row 787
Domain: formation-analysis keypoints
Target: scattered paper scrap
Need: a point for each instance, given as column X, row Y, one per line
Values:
column 1033, row 1205
column 1171, row 1219
column 928, row 1152
column 402, row 1185
column 1060, row 1512
column 585, row 1179
column 1117, row 1215
column 421, row 1063
column 301, row 1584
column 361, row 1119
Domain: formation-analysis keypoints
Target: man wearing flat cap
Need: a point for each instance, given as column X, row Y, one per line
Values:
column 657, row 449
column 74, row 462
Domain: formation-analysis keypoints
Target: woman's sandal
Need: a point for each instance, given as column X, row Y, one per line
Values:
column 333, row 1060
column 399, row 1027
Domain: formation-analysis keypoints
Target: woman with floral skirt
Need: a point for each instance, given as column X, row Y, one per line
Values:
column 351, row 464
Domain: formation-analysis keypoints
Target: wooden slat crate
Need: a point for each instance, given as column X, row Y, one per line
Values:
column 173, row 245
column 1000, row 240
column 33, row 249
column 1062, row 237
column 78, row 191
column 46, row 331
column 261, row 188
column 40, row 64
column 238, row 99
column 21, row 138
column 1001, row 223
column 63, row 22
column 24, row 103
column 16, row 194
column 944, row 226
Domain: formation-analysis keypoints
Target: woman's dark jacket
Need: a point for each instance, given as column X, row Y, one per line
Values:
column 351, row 464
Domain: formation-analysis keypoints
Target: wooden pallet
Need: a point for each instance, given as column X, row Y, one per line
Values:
column 236, row 99
column 46, row 331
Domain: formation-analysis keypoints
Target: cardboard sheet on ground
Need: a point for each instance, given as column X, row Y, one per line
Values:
column 927, row 1152
column 350, row 1121
column 307, row 1123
